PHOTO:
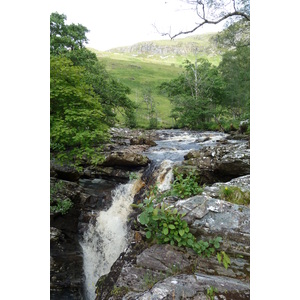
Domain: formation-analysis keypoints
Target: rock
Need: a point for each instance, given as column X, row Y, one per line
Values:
column 66, row 268
column 169, row 272
column 64, row 172
column 208, row 218
column 165, row 258
column 243, row 126
column 218, row 164
column 194, row 287
column 142, row 141
column 242, row 182
column 126, row 159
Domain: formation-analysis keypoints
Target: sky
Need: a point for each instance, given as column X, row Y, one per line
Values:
column 123, row 23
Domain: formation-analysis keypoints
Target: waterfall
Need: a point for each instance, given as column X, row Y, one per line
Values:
column 104, row 240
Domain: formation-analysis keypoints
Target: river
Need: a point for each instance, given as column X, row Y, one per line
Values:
column 106, row 235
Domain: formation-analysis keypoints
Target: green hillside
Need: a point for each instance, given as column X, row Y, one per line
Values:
column 148, row 64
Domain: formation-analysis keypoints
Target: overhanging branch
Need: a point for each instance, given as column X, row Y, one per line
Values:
column 205, row 21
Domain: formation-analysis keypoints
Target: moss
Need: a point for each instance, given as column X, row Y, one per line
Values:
column 119, row 291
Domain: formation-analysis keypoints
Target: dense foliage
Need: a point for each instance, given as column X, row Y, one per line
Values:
column 205, row 96
column 84, row 97
column 195, row 94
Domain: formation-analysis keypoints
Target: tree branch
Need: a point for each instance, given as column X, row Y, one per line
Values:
column 236, row 13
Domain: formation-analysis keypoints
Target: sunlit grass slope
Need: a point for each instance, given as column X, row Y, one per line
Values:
column 148, row 64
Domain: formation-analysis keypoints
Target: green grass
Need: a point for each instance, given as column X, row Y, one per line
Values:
column 139, row 70
column 138, row 75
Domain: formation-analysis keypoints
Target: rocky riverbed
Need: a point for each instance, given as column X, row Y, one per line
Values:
column 151, row 271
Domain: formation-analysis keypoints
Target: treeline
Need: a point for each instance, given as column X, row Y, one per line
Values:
column 84, row 98
column 212, row 97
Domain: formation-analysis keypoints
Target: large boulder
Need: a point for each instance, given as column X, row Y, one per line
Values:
column 218, row 164
column 209, row 217
column 126, row 159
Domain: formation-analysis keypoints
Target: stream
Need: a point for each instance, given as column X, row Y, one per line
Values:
column 106, row 235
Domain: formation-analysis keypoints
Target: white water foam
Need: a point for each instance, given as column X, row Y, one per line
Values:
column 105, row 240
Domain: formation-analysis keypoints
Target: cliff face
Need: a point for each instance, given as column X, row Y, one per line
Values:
column 183, row 46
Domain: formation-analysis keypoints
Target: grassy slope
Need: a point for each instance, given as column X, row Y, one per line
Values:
column 139, row 70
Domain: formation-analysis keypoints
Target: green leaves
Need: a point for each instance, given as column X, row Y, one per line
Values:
column 164, row 224
column 165, row 231
column 195, row 93
column 223, row 257
column 181, row 232
column 84, row 97
column 187, row 186
column 76, row 116
column 144, row 218
column 65, row 37
column 59, row 203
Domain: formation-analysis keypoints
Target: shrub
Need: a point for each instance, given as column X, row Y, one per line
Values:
column 58, row 202
column 187, row 186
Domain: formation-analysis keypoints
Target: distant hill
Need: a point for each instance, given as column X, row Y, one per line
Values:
column 179, row 46
column 148, row 64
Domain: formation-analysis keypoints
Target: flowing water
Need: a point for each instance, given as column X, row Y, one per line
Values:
column 106, row 238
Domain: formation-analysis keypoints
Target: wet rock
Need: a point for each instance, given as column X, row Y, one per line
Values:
column 66, row 275
column 64, row 172
column 142, row 141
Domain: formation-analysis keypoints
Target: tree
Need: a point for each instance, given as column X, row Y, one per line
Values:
column 65, row 37
column 216, row 11
column 68, row 41
column 235, row 70
column 234, row 41
column 235, row 36
column 195, row 94
column 76, row 115
column 151, row 109
column 232, row 89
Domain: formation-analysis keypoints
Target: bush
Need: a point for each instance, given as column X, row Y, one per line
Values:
column 58, row 202
column 187, row 186
column 153, row 123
